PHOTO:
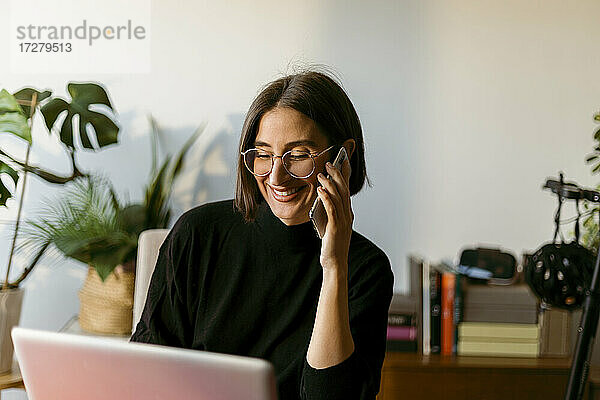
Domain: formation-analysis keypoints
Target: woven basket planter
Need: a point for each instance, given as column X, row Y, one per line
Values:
column 107, row 307
column 11, row 301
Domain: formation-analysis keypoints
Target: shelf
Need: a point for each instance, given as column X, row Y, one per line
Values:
column 414, row 376
column 413, row 360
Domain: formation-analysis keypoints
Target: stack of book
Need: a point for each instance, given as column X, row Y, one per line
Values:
column 498, row 339
column 452, row 314
column 510, row 304
column 402, row 324
column 499, row 321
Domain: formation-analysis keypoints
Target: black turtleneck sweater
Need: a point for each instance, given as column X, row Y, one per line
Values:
column 225, row 285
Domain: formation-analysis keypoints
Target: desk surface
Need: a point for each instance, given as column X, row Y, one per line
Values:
column 12, row 379
column 415, row 361
column 411, row 375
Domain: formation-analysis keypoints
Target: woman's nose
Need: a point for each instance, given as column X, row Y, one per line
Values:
column 278, row 173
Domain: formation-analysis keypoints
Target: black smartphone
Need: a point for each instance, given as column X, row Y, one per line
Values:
column 317, row 212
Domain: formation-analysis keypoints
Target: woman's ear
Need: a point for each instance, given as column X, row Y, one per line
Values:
column 349, row 144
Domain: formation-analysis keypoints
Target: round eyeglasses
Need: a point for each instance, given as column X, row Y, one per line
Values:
column 299, row 164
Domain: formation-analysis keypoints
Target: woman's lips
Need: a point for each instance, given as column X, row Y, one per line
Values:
column 285, row 195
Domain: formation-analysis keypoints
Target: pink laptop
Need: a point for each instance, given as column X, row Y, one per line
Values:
column 75, row 367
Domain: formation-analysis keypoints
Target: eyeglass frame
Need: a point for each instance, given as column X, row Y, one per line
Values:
column 273, row 156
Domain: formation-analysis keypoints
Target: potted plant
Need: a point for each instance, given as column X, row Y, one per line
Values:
column 90, row 224
column 90, row 103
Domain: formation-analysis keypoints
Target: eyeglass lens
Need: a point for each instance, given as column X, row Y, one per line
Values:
column 299, row 164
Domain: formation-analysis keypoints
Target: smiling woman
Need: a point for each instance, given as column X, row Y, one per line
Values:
column 316, row 108
column 251, row 276
column 287, row 130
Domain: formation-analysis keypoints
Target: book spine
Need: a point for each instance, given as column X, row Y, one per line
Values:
column 518, row 295
column 400, row 319
column 426, row 310
column 448, row 285
column 458, row 308
column 555, row 333
column 416, row 284
column 401, row 333
column 498, row 330
column 490, row 348
column 496, row 313
column 435, row 294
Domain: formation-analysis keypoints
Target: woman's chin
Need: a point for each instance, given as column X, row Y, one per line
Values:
column 288, row 214
column 291, row 210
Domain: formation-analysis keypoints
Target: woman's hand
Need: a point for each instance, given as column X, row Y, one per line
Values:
column 335, row 195
column 331, row 341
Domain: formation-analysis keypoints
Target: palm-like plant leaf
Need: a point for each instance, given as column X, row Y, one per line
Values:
column 84, row 225
column 157, row 197
column 83, row 95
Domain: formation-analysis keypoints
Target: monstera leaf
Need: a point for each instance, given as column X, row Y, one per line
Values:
column 14, row 121
column 12, row 118
column 27, row 95
column 83, row 96
column 11, row 173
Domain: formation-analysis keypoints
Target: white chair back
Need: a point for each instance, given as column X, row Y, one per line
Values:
column 149, row 243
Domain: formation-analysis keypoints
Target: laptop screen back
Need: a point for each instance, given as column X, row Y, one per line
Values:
column 75, row 367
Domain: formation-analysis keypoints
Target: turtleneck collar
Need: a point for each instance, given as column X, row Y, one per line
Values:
column 278, row 233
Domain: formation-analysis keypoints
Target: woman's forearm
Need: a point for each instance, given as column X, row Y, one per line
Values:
column 331, row 341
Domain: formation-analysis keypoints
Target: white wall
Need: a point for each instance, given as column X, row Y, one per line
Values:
column 467, row 106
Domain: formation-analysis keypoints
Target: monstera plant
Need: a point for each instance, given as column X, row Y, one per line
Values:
column 88, row 114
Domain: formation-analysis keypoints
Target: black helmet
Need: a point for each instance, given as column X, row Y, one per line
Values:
column 560, row 273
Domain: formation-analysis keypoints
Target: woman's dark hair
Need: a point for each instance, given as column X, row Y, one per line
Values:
column 321, row 99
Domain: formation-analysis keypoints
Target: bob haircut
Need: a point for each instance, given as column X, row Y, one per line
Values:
column 321, row 99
